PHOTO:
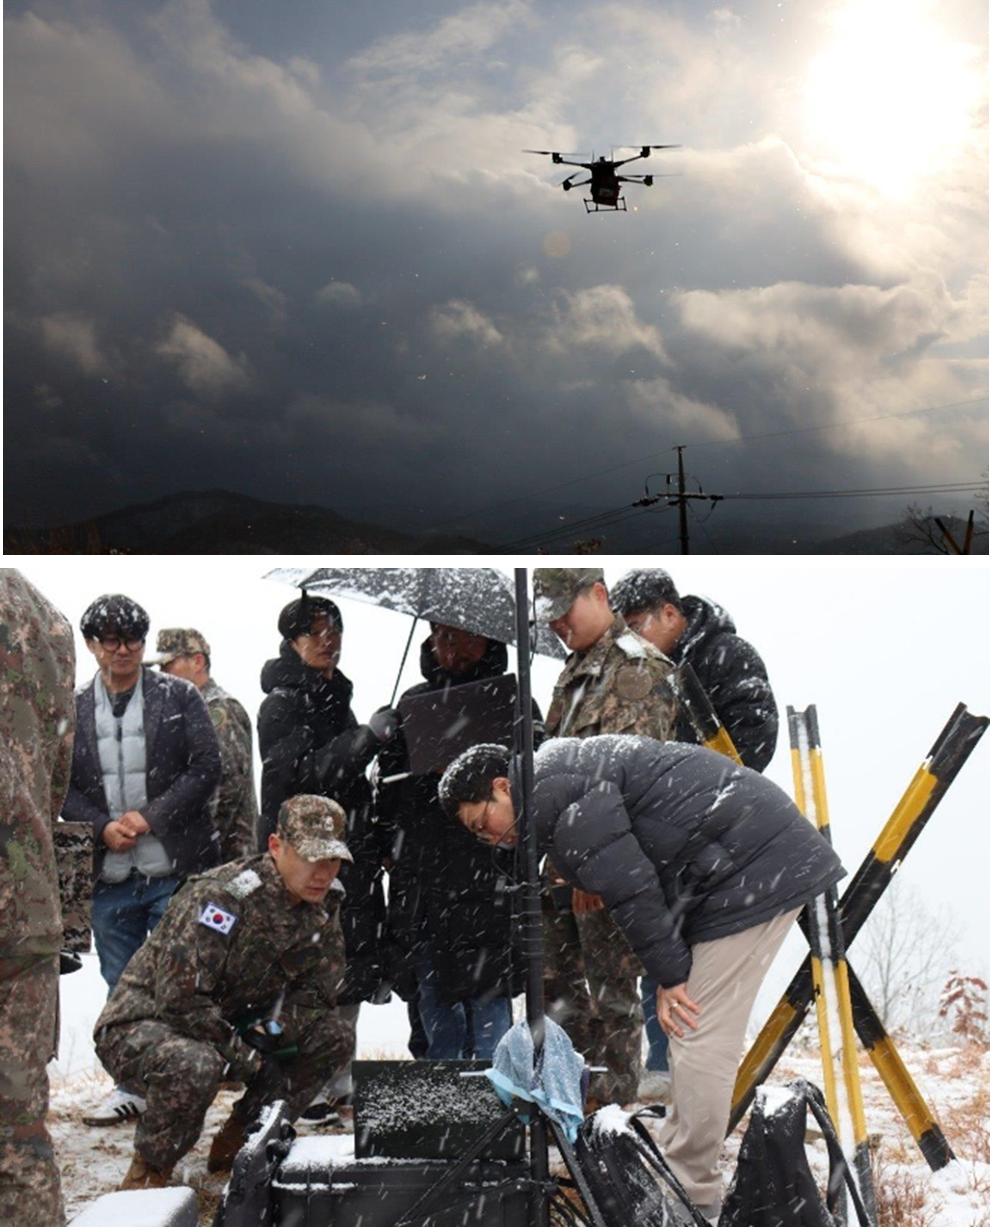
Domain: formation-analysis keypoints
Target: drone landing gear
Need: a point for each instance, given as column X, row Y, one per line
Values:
column 591, row 206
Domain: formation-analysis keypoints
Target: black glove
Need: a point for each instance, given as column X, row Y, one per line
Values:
column 385, row 723
column 262, row 1040
column 267, row 1038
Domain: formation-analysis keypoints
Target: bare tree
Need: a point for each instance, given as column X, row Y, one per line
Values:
column 923, row 532
column 919, row 532
column 903, row 956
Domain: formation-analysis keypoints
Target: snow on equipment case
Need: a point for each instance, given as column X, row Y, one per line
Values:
column 428, row 1110
column 247, row 1199
column 626, row 1172
column 310, row 1190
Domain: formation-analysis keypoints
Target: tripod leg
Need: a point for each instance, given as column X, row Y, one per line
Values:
column 570, row 1160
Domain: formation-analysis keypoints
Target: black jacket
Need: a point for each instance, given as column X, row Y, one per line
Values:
column 444, row 885
column 310, row 742
column 733, row 676
column 183, row 770
column 683, row 845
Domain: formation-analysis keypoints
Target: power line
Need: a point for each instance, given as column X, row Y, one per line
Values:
column 617, row 515
column 951, row 488
column 800, row 430
column 701, row 525
column 683, row 499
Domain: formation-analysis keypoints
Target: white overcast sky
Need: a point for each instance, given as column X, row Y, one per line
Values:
column 295, row 250
column 885, row 650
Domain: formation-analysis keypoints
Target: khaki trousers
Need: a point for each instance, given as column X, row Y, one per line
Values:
column 725, row 978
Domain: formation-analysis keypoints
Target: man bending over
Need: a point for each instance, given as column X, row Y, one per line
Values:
column 704, row 866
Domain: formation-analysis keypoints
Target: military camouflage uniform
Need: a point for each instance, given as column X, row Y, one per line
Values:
column 234, row 808
column 74, row 855
column 37, row 718
column 619, row 685
column 232, row 947
column 235, row 805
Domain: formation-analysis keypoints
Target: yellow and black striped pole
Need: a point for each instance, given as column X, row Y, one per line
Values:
column 931, row 781
column 708, row 728
column 837, row 1035
column 901, row 1087
column 953, row 747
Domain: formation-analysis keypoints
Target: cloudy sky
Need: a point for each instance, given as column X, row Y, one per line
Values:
column 295, row 250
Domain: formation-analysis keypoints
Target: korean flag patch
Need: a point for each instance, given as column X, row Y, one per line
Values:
column 216, row 918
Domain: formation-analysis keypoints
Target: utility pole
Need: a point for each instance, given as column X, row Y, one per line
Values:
column 680, row 500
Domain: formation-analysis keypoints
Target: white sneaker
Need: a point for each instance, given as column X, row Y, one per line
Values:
column 654, row 1086
column 120, row 1105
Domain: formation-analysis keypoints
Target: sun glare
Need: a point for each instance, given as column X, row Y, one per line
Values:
column 889, row 97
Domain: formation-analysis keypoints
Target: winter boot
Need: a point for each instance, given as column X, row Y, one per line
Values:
column 226, row 1144
column 141, row 1175
column 321, row 1112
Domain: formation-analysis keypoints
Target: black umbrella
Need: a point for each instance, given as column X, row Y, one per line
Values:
column 476, row 599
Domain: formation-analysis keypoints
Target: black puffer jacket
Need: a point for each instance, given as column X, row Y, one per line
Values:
column 443, row 886
column 311, row 742
column 733, row 676
column 683, row 845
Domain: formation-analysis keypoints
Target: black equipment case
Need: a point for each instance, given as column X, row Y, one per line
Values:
column 413, row 1123
column 380, row 1192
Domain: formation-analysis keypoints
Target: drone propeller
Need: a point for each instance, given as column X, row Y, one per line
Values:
column 649, row 146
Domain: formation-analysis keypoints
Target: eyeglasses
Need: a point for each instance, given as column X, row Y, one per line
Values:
column 113, row 644
column 478, row 826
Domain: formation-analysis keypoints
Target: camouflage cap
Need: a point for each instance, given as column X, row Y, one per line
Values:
column 179, row 641
column 314, row 826
column 557, row 588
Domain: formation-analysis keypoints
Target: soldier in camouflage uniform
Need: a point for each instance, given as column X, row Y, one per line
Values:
column 613, row 682
column 239, row 979
column 185, row 653
column 37, row 718
column 74, row 857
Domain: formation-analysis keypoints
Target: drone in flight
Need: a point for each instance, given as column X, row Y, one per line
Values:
column 606, row 184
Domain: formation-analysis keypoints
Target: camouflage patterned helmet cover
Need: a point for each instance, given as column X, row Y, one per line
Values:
column 557, row 588
column 179, row 641
column 314, row 826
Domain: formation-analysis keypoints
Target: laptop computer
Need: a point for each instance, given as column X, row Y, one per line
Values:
column 441, row 724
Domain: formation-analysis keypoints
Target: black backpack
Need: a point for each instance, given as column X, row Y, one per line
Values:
column 626, row 1172
column 773, row 1185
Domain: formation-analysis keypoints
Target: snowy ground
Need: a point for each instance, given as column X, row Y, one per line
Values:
column 955, row 1082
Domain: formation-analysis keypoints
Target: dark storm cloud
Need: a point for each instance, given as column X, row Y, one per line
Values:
column 311, row 262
